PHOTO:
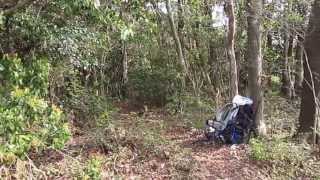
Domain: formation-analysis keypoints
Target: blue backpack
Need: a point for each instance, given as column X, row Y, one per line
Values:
column 232, row 124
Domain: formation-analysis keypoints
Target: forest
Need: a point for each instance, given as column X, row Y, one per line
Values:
column 123, row 89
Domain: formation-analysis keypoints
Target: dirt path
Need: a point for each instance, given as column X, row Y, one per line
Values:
column 226, row 162
column 207, row 160
column 202, row 160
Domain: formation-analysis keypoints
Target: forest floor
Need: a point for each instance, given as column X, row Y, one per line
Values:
column 181, row 152
column 153, row 145
column 194, row 157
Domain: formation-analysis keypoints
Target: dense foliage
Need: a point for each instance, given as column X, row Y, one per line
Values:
column 28, row 120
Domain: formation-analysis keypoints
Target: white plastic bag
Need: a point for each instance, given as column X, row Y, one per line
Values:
column 241, row 101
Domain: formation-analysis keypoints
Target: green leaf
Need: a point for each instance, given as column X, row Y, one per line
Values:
column 126, row 33
column 1, row 67
column 1, row 18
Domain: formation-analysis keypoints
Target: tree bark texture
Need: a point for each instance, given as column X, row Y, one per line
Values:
column 287, row 88
column 229, row 8
column 311, row 84
column 176, row 38
column 124, row 69
column 299, row 58
column 254, row 12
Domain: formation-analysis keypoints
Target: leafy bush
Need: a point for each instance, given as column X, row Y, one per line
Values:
column 27, row 120
column 11, row 73
column 90, row 109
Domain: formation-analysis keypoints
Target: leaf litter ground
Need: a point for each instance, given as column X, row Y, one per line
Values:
column 152, row 146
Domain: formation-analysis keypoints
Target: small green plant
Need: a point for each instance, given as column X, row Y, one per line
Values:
column 152, row 140
column 93, row 168
column 259, row 149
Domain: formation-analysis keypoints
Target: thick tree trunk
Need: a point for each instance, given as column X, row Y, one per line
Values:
column 254, row 8
column 311, row 84
column 176, row 38
column 229, row 7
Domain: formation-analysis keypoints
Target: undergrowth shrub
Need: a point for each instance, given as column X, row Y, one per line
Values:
column 152, row 86
column 92, row 170
column 275, row 85
column 27, row 120
column 287, row 160
column 193, row 110
column 84, row 102
column 259, row 150
column 277, row 150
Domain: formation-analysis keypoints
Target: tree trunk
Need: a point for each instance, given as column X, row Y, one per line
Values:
column 287, row 88
column 229, row 7
column 176, row 39
column 212, row 57
column 181, row 25
column 254, row 8
column 311, row 84
column 124, row 52
column 299, row 56
column 160, row 37
column 7, row 25
column 124, row 69
column 269, row 40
